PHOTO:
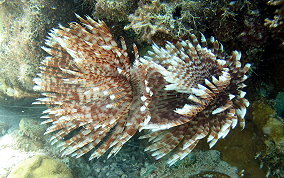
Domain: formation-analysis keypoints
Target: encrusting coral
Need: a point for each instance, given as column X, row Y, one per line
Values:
column 180, row 93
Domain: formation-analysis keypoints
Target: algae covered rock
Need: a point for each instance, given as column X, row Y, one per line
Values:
column 159, row 21
column 117, row 10
column 41, row 166
column 265, row 117
column 275, row 129
column 266, row 120
column 23, row 27
column 261, row 112
column 31, row 136
column 31, row 128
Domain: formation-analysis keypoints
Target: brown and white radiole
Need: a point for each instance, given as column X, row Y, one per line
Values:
column 180, row 93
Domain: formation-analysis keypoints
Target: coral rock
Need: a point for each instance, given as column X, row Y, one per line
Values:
column 41, row 166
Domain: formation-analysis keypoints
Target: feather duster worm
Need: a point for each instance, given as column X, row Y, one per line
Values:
column 93, row 89
column 181, row 93
column 200, row 96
